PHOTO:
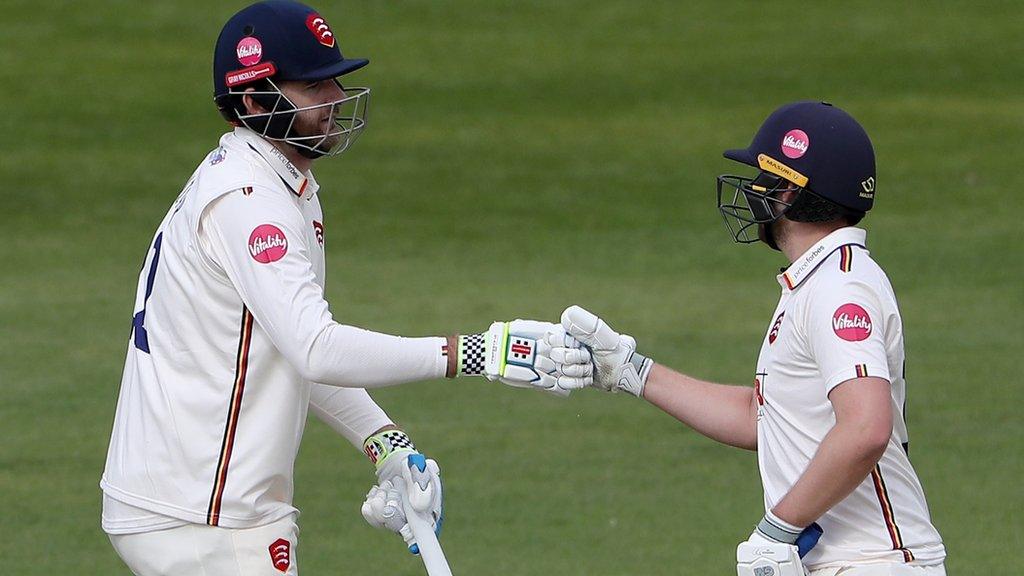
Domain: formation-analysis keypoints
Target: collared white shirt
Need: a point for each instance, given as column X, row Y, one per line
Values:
column 231, row 330
column 837, row 320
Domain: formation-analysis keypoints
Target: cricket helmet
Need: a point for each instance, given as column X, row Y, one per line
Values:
column 276, row 40
column 812, row 148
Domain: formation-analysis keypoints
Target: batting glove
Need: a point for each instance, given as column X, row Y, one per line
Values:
column 527, row 354
column 776, row 547
column 617, row 364
column 397, row 463
column 383, row 509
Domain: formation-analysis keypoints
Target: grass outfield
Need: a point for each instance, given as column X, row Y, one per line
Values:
column 523, row 156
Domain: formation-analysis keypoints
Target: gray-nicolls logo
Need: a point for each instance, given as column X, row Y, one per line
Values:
column 764, row 571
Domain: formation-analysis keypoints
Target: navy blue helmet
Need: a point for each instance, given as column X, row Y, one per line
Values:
column 275, row 40
column 813, row 148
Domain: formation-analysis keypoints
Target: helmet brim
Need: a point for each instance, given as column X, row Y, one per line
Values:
column 332, row 70
column 742, row 155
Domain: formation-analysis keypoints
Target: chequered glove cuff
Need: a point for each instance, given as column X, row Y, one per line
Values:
column 471, row 355
column 381, row 445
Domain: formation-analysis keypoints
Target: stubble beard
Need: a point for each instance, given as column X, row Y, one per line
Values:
column 311, row 126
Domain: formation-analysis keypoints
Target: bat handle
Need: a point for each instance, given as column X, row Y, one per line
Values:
column 426, row 540
column 429, row 548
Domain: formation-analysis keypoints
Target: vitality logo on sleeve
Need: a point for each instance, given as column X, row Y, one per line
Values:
column 267, row 244
column 851, row 323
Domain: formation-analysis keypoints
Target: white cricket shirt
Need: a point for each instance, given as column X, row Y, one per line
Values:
column 838, row 320
column 230, row 331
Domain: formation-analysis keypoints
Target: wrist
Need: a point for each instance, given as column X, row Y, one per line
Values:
column 775, row 528
column 643, row 366
column 451, row 353
column 632, row 375
column 381, row 446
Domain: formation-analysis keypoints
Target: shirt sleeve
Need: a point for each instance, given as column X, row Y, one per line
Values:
column 846, row 333
column 349, row 411
column 259, row 240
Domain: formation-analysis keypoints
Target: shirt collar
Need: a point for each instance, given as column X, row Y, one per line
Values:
column 808, row 262
column 301, row 184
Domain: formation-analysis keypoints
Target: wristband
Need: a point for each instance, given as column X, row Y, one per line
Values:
column 775, row 528
column 383, row 444
column 471, row 355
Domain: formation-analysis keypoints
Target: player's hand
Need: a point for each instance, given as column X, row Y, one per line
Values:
column 392, row 452
column 427, row 474
column 776, row 547
column 617, row 365
column 527, row 354
column 383, row 509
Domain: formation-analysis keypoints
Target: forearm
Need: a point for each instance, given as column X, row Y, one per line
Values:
column 348, row 411
column 841, row 463
column 351, row 357
column 720, row 412
column 352, row 413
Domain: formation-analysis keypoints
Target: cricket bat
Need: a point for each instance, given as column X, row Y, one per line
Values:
column 416, row 501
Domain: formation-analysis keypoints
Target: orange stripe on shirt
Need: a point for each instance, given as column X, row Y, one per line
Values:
column 235, row 407
column 846, row 258
column 887, row 514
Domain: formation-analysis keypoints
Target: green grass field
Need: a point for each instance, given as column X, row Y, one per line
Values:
column 523, row 156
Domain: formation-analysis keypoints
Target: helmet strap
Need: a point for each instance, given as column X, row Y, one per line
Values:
column 766, row 235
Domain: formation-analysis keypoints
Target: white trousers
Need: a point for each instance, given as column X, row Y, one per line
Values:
column 883, row 570
column 199, row 550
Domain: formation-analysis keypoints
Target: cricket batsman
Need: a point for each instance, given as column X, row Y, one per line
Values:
column 825, row 413
column 232, row 341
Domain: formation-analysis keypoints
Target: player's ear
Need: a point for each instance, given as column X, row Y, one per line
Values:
column 789, row 196
column 250, row 104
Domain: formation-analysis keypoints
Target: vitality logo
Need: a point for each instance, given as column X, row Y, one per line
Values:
column 851, row 322
column 267, row 244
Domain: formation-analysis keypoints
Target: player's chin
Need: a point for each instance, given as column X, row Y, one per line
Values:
column 322, row 140
column 328, row 143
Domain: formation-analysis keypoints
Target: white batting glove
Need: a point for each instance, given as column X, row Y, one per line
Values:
column 776, row 547
column 617, row 364
column 391, row 451
column 383, row 509
column 527, row 354
column 759, row 556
